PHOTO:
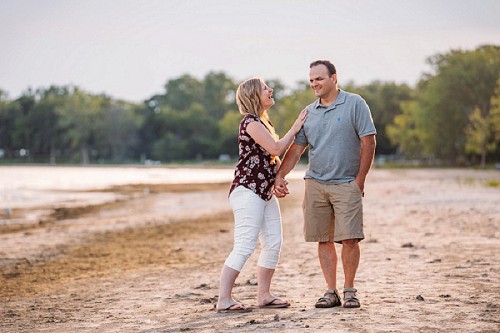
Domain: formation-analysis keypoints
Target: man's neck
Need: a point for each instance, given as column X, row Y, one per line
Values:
column 330, row 99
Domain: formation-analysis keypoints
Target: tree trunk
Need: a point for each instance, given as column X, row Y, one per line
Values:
column 483, row 158
column 52, row 157
column 85, row 154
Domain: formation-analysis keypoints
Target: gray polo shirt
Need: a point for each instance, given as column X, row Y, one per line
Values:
column 332, row 134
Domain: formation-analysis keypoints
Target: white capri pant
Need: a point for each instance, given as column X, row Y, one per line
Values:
column 254, row 218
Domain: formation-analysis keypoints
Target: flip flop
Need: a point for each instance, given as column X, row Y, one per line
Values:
column 232, row 309
column 273, row 305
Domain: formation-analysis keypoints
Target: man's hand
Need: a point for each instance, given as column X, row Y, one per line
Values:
column 280, row 187
column 361, row 184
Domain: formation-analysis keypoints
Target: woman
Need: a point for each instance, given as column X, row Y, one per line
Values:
column 256, row 210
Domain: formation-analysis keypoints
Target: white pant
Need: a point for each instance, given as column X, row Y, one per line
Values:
column 254, row 218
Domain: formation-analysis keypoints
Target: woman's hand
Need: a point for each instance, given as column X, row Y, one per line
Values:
column 301, row 119
column 261, row 135
column 280, row 187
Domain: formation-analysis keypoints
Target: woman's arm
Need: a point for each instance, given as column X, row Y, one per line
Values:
column 261, row 135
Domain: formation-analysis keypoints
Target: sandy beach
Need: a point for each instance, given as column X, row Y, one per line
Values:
column 144, row 255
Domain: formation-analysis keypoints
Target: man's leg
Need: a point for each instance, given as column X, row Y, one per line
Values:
column 350, row 261
column 319, row 224
column 328, row 260
column 348, row 206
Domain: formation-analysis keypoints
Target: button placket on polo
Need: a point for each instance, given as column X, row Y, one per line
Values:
column 324, row 122
column 327, row 118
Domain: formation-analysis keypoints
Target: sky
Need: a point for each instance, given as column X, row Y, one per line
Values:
column 129, row 49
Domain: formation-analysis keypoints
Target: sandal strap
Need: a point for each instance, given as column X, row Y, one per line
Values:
column 332, row 292
column 350, row 290
column 327, row 300
column 336, row 297
column 351, row 297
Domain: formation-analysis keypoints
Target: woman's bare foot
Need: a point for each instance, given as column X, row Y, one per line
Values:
column 232, row 306
column 270, row 301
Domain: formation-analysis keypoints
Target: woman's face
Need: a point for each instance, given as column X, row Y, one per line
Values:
column 266, row 99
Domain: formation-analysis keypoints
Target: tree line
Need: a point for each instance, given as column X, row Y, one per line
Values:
column 451, row 117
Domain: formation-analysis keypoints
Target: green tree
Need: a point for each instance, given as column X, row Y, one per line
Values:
column 21, row 132
column 117, row 131
column 187, row 135
column 285, row 112
column 79, row 117
column 462, row 81
column 279, row 89
column 218, row 94
column 483, row 131
column 181, row 93
column 403, row 131
column 152, row 127
column 182, row 123
column 8, row 111
column 43, row 123
column 495, row 114
column 228, row 133
column 385, row 100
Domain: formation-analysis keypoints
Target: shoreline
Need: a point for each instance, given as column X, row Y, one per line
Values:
column 26, row 218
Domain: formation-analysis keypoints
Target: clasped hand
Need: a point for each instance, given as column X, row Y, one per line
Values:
column 280, row 187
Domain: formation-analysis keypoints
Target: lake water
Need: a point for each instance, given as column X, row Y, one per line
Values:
column 39, row 186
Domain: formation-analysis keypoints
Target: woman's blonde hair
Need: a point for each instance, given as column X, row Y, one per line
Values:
column 247, row 97
column 248, row 101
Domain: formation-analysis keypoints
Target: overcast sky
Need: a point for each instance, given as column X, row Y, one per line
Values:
column 129, row 49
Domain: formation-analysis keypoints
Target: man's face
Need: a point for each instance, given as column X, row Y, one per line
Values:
column 320, row 81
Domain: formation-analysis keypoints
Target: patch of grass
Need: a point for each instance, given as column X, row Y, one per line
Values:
column 466, row 181
column 493, row 183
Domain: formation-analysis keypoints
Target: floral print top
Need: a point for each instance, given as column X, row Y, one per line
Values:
column 253, row 170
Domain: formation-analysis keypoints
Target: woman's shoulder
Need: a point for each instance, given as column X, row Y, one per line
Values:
column 249, row 118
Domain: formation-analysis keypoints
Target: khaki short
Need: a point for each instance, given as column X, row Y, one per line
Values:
column 332, row 212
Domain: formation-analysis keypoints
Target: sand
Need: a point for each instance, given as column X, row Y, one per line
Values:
column 150, row 262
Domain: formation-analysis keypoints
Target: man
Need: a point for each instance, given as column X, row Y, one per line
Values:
column 340, row 134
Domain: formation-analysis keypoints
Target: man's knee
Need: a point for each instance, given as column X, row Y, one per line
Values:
column 350, row 242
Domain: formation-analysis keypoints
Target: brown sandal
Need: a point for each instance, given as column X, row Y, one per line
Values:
column 329, row 300
column 351, row 301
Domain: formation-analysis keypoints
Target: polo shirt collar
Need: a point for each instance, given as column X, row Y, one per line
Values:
column 339, row 100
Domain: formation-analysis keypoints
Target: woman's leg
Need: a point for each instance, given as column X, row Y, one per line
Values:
column 271, row 239
column 248, row 211
column 227, row 278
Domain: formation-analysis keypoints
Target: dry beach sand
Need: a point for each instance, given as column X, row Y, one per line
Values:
column 149, row 261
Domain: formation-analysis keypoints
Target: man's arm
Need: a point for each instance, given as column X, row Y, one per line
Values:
column 367, row 153
column 290, row 159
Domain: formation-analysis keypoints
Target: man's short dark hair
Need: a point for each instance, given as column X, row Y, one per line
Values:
column 328, row 64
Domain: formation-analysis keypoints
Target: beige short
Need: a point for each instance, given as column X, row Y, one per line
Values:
column 332, row 212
